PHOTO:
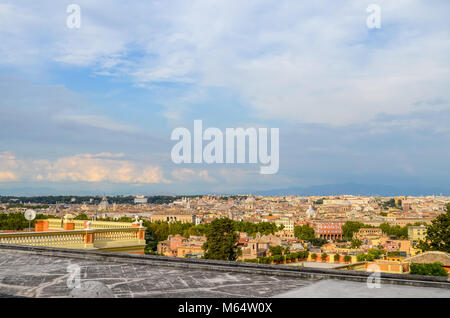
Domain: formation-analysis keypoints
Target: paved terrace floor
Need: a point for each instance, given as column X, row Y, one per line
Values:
column 32, row 275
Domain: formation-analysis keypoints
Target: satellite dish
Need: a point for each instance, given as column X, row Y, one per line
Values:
column 30, row 214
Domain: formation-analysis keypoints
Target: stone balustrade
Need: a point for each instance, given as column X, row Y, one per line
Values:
column 126, row 239
column 58, row 224
column 73, row 239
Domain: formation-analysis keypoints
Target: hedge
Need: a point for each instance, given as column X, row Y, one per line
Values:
column 429, row 269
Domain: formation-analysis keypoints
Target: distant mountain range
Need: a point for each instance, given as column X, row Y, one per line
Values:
column 356, row 189
column 326, row 189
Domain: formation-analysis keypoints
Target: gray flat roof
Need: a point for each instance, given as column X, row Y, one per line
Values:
column 23, row 274
column 345, row 289
column 30, row 274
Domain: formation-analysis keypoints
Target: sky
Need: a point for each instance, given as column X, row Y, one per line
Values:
column 91, row 109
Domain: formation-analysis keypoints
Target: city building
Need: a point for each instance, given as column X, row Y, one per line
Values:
column 140, row 199
column 368, row 233
column 417, row 233
column 174, row 216
column 330, row 230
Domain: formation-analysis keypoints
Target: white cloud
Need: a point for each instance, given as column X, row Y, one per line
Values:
column 7, row 176
column 8, row 167
column 183, row 174
column 204, row 175
column 101, row 167
column 295, row 61
column 189, row 175
column 237, row 175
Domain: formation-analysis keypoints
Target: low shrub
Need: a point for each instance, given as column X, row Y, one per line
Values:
column 429, row 269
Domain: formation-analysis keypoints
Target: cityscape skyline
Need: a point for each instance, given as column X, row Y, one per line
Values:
column 375, row 190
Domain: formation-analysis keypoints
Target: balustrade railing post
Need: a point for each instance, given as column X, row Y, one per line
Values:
column 41, row 225
column 89, row 236
column 141, row 233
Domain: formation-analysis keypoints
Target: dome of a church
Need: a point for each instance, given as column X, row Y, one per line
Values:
column 311, row 212
column 346, row 202
column 104, row 205
column 250, row 203
column 250, row 200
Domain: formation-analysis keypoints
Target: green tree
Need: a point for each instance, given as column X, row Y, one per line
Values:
column 375, row 253
column 336, row 257
column 430, row 269
column 438, row 234
column 386, row 228
column 276, row 250
column 356, row 243
column 13, row 221
column 361, row 257
column 265, row 260
column 16, row 221
column 318, row 241
column 304, row 232
column 389, row 204
column 151, row 247
column 320, row 201
column 396, row 230
column 301, row 255
column 251, row 229
column 279, row 258
column 351, row 227
column 290, row 256
column 81, row 216
column 324, row 256
column 347, row 258
column 370, row 256
column 252, row 260
column 314, row 256
column 125, row 219
column 221, row 240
